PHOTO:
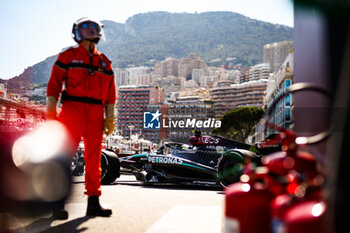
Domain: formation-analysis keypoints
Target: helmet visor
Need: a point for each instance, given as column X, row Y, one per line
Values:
column 89, row 31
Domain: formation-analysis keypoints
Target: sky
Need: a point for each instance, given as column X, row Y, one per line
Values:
column 33, row 30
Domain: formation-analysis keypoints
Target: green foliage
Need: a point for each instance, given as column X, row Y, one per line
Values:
column 238, row 123
column 211, row 35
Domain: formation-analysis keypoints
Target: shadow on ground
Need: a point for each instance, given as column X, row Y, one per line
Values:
column 43, row 225
column 170, row 186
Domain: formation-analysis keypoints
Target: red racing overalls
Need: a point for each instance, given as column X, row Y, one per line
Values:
column 89, row 86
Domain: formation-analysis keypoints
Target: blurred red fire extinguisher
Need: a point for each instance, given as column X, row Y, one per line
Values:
column 284, row 194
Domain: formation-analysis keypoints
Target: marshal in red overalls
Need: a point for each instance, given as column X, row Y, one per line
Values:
column 89, row 89
column 84, row 119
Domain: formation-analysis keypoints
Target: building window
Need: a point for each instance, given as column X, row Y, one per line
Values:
column 287, row 101
column 287, row 116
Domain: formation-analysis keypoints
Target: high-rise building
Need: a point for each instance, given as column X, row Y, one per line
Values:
column 260, row 71
column 234, row 75
column 231, row 96
column 208, row 81
column 171, row 83
column 276, row 53
column 146, row 79
column 167, row 67
column 189, row 63
column 190, row 84
column 189, row 108
column 121, row 77
column 136, row 72
column 277, row 84
column 244, row 75
column 197, row 74
column 133, row 101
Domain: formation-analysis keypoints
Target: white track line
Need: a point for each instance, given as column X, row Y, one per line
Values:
column 189, row 219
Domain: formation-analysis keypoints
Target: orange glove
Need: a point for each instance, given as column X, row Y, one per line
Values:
column 51, row 115
column 108, row 126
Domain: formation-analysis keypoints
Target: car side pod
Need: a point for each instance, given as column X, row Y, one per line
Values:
column 247, row 208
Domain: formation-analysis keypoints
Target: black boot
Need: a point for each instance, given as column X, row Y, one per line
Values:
column 95, row 209
column 60, row 214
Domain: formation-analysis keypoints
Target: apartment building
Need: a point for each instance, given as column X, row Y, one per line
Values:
column 136, row 72
column 276, row 53
column 259, row 71
column 121, row 77
column 146, row 79
column 167, row 67
column 171, row 83
column 231, row 96
column 277, row 84
column 186, row 65
column 197, row 74
column 188, row 108
column 132, row 102
column 244, row 75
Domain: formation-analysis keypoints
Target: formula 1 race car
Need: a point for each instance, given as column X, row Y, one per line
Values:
column 207, row 160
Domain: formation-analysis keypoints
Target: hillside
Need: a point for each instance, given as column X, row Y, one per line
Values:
column 210, row 35
column 152, row 36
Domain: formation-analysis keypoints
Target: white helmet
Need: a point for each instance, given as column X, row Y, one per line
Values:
column 87, row 29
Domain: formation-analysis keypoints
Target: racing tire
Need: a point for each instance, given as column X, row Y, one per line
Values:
column 229, row 171
column 110, row 167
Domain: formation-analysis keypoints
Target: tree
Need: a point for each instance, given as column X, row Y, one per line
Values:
column 238, row 123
